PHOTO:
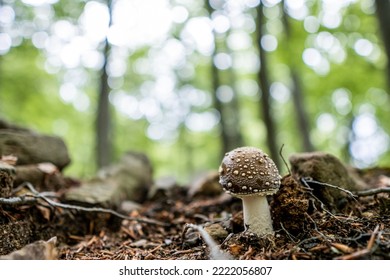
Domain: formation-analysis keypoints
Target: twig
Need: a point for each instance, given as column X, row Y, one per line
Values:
column 319, row 232
column 37, row 195
column 290, row 236
column 354, row 239
column 310, row 180
column 284, row 161
column 373, row 191
column 313, row 238
column 322, row 205
column 307, row 240
column 368, row 250
column 215, row 252
column 17, row 200
column 96, row 209
column 370, row 243
column 102, row 210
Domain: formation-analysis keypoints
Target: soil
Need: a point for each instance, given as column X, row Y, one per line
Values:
column 306, row 226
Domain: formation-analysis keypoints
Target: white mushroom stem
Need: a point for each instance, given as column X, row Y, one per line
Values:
column 257, row 216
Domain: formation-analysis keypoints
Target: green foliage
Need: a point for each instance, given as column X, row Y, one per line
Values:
column 27, row 90
column 30, row 96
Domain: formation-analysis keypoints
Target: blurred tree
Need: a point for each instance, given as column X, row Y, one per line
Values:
column 103, row 116
column 383, row 13
column 297, row 94
column 233, row 107
column 230, row 130
column 264, row 83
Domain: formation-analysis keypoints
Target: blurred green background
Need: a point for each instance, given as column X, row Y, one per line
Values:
column 184, row 81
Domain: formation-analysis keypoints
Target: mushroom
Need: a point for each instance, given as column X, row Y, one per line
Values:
column 250, row 174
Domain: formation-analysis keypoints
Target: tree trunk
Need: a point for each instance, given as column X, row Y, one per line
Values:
column 265, row 102
column 383, row 13
column 223, row 127
column 103, row 120
column 229, row 124
column 297, row 94
column 234, row 108
column 302, row 120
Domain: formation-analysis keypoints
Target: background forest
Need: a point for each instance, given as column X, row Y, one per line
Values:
column 184, row 81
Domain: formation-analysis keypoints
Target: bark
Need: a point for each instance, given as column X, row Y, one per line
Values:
column 383, row 12
column 265, row 102
column 103, row 120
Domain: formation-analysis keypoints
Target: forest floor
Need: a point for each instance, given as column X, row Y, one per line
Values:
column 162, row 228
column 361, row 230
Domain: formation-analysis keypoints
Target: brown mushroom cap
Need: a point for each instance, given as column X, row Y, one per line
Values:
column 248, row 171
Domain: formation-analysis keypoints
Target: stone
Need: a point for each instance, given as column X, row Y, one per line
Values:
column 31, row 148
column 129, row 179
column 326, row 168
column 43, row 176
column 205, row 184
column 216, row 231
column 128, row 206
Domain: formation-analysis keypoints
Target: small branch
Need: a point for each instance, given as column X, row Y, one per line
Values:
column 324, row 237
column 215, row 252
column 102, row 210
column 290, row 236
column 354, row 255
column 373, row 191
column 368, row 250
column 310, row 180
column 371, row 242
column 355, row 194
column 284, row 161
column 310, row 192
column 18, row 200
column 44, row 196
